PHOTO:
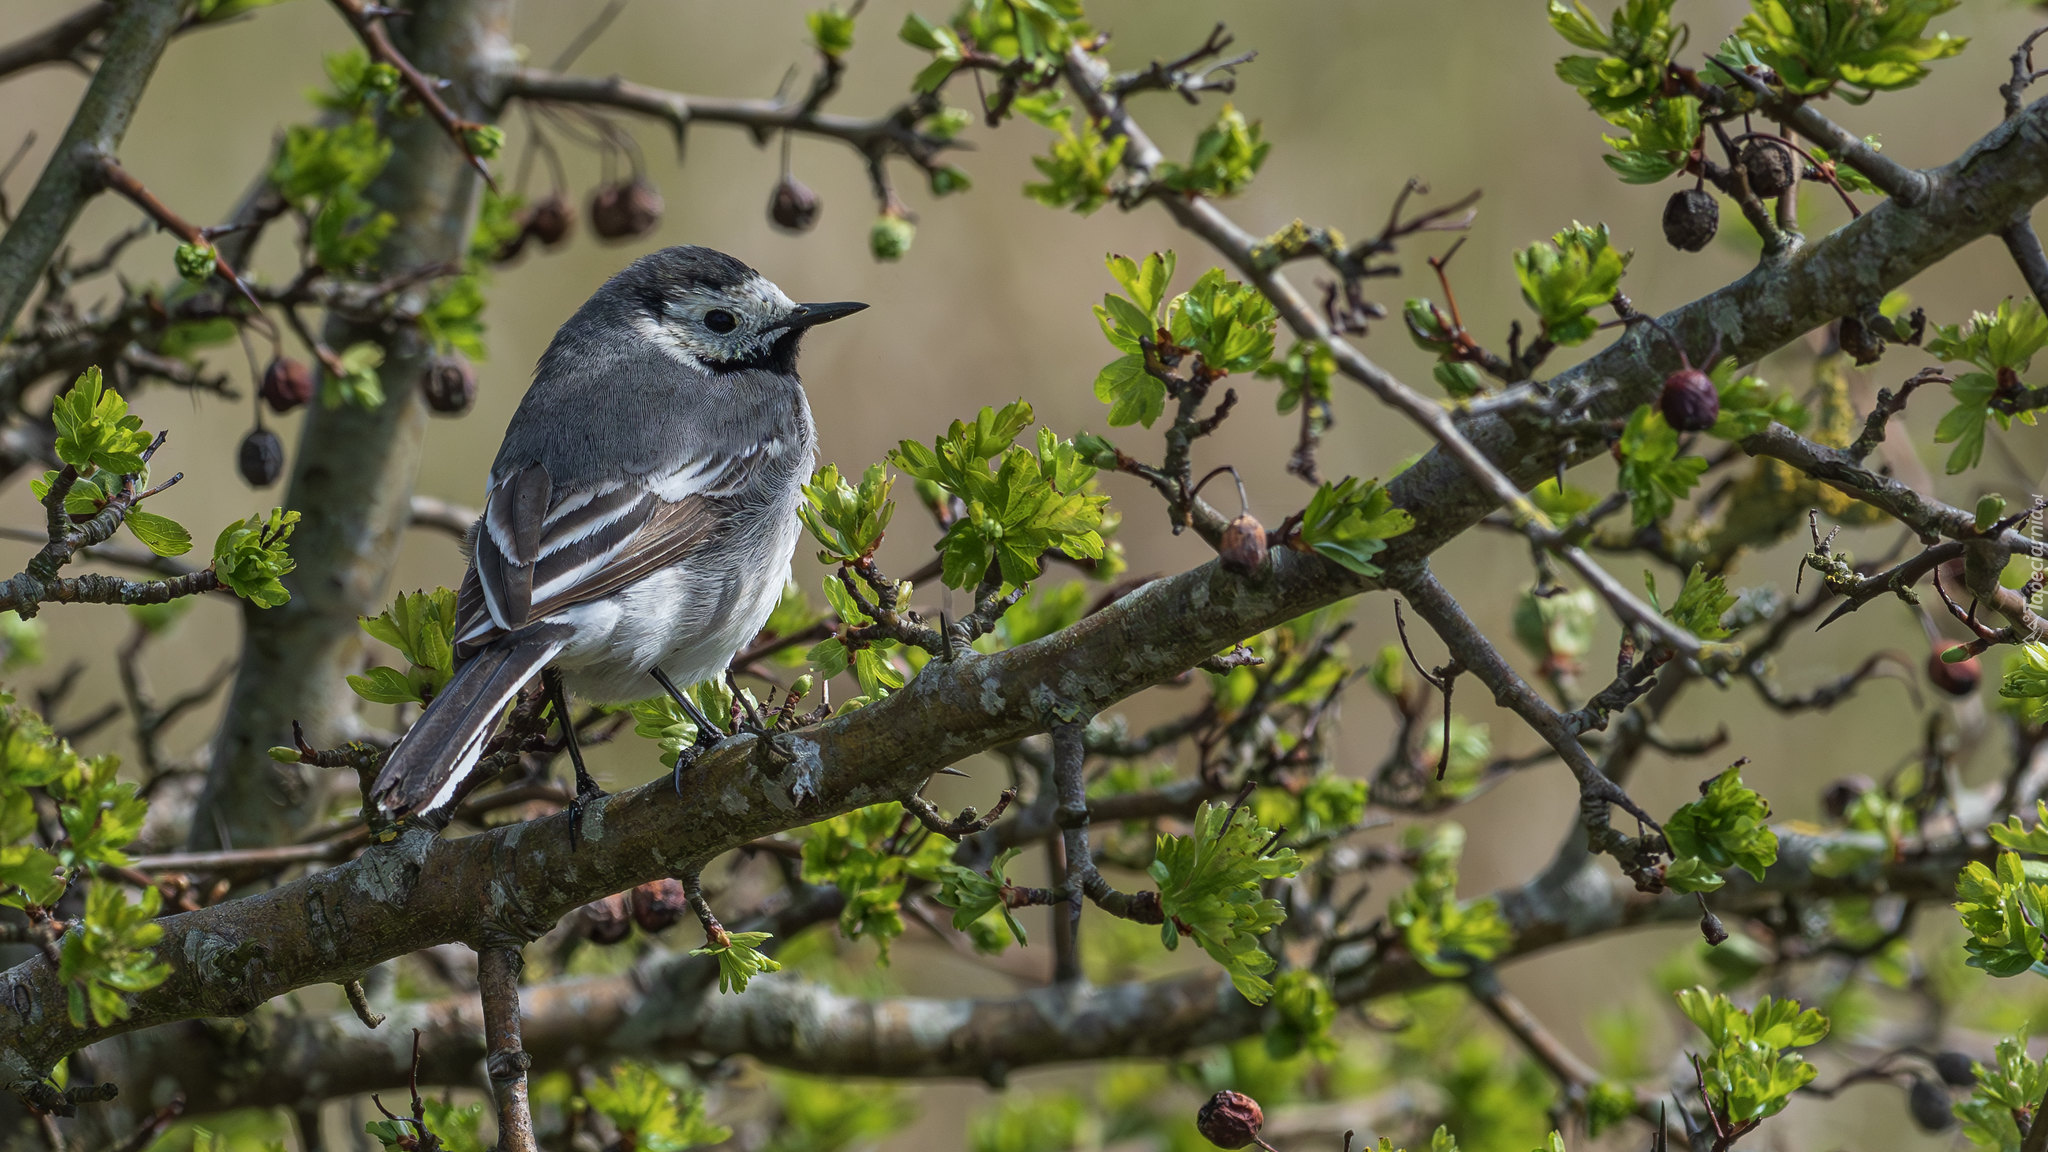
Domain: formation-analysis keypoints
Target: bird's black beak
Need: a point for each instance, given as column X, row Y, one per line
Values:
column 807, row 315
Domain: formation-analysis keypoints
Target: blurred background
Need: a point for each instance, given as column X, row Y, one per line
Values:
column 992, row 304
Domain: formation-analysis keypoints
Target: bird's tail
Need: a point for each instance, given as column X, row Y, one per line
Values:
column 430, row 767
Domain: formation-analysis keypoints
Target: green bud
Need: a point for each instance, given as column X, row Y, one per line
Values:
column 802, row 687
column 1990, row 507
column 891, row 237
column 284, row 755
column 194, row 262
column 946, row 181
column 484, row 141
column 1956, row 655
column 381, row 78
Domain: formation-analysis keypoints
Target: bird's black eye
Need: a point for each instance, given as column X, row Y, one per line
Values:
column 720, row 321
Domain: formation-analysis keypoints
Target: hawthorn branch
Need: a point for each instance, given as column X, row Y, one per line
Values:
column 369, row 28
column 497, row 978
column 59, row 43
column 135, row 38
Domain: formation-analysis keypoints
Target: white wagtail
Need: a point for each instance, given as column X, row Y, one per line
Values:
column 640, row 517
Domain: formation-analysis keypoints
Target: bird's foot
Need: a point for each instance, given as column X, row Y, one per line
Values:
column 587, row 792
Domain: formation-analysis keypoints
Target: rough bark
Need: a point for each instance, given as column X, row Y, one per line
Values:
column 353, row 473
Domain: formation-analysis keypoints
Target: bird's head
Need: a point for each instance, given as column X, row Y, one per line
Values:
column 712, row 312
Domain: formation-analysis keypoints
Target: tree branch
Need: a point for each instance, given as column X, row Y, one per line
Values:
column 136, row 35
column 57, row 44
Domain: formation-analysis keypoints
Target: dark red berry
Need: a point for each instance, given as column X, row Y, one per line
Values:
column 1772, row 170
column 550, row 221
column 1691, row 217
column 1711, row 929
column 1230, row 1120
column 606, row 921
column 1958, row 679
column 287, row 383
column 261, row 457
column 1956, row 1068
column 449, row 385
column 1243, row 547
column 793, row 206
column 658, row 904
column 624, row 211
column 1690, row 402
column 1929, row 1104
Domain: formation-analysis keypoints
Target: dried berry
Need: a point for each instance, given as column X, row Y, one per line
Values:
column 606, row 921
column 1857, row 339
column 624, row 211
column 1836, row 797
column 1711, row 929
column 261, row 457
column 287, row 383
column 793, row 206
column 1772, row 170
column 1929, row 1104
column 658, row 904
column 1231, row 1120
column 1243, row 547
column 449, row 384
column 1956, row 1068
column 1690, row 401
column 550, row 221
column 1958, row 679
column 1691, row 218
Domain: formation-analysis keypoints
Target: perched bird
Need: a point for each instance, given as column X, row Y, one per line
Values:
column 640, row 517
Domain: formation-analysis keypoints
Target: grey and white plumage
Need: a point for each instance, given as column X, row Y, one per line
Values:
column 641, row 512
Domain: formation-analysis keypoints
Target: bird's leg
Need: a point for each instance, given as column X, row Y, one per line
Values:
column 707, row 733
column 586, row 788
column 751, row 719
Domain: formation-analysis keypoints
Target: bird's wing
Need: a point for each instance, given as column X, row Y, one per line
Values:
column 541, row 550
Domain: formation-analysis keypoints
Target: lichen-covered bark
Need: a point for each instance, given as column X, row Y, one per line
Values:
column 353, row 474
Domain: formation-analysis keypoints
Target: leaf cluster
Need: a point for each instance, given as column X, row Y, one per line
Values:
column 2001, row 347
column 1350, row 522
column 1227, row 156
column 1747, row 1071
column 1019, row 504
column 251, row 557
column 1653, row 474
column 1210, row 886
column 870, row 854
column 847, row 520
column 1727, row 827
column 1446, row 936
column 1563, row 280
column 1633, row 51
column 2009, row 1088
column 650, row 1114
column 1850, row 47
column 421, row 625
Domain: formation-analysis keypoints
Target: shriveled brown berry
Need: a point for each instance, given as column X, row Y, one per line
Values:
column 1243, row 547
column 1230, row 1120
column 1771, row 167
column 287, row 383
column 1929, row 1104
column 1836, row 797
column 1691, row 217
column 1690, row 403
column 658, row 904
column 1955, row 1068
column 1958, row 679
column 606, row 921
column 1711, row 929
column 793, row 206
column 449, row 385
column 1856, row 338
column 550, row 221
column 624, row 211
column 260, row 458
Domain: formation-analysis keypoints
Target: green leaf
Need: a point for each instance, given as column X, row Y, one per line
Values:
column 1701, row 603
column 1727, row 827
column 1081, row 164
column 1747, row 1073
column 95, row 429
column 1350, row 522
column 110, row 955
column 847, row 522
column 1565, row 279
column 1656, row 141
column 1653, row 474
column 160, row 534
column 250, row 557
column 358, row 383
column 863, row 855
column 1209, row 883
column 1227, row 155
column 739, row 961
column 1445, row 936
column 1634, row 53
column 1855, row 48
column 649, row 1113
